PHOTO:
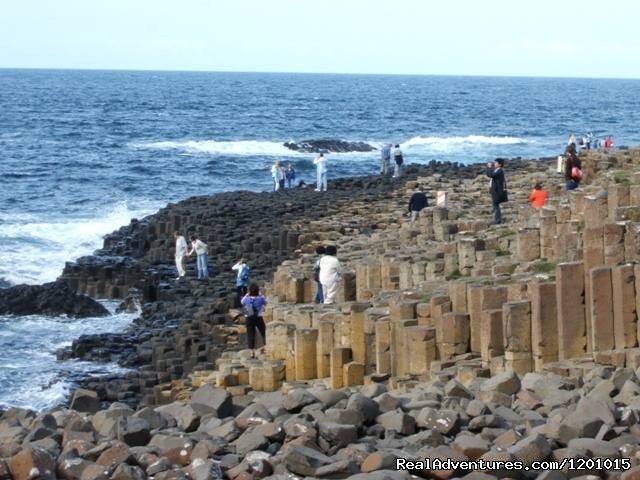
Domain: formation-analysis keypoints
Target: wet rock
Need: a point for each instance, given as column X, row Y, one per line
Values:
column 329, row 145
column 51, row 299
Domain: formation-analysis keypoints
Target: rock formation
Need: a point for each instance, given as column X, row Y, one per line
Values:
column 50, row 299
column 329, row 145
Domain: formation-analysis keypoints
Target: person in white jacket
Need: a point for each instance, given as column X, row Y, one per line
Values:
column 202, row 254
column 181, row 252
column 321, row 173
column 330, row 274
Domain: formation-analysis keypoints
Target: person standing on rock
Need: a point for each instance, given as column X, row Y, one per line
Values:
column 253, row 304
column 399, row 160
column 316, row 275
column 572, row 170
column 321, row 172
column 275, row 174
column 330, row 274
column 497, row 188
column 242, row 279
column 181, row 252
column 386, row 158
column 290, row 174
column 202, row 255
column 417, row 202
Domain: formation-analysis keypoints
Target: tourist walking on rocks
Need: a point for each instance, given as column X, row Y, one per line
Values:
column 538, row 197
column 202, row 256
column 290, row 174
column 316, row 274
column 386, row 158
column 330, row 274
column 399, row 160
column 572, row 170
column 181, row 251
column 321, row 172
column 242, row 279
column 417, row 202
column 497, row 188
column 253, row 304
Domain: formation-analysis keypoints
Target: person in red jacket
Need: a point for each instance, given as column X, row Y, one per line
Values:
column 538, row 197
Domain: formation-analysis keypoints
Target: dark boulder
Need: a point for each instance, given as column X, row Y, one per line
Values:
column 329, row 145
column 50, row 299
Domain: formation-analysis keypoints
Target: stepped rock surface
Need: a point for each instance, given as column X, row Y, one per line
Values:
column 451, row 338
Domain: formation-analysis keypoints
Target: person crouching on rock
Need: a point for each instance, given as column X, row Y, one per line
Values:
column 417, row 202
column 202, row 254
column 181, row 251
column 330, row 274
column 253, row 304
column 242, row 279
column 316, row 274
column 538, row 197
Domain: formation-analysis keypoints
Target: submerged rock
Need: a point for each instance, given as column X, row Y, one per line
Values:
column 329, row 145
column 50, row 299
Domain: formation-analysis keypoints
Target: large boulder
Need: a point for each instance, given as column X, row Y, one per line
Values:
column 211, row 400
column 51, row 299
column 329, row 145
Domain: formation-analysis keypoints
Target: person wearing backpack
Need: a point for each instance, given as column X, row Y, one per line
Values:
column 202, row 255
column 572, row 170
column 316, row 275
column 497, row 188
column 242, row 279
column 399, row 160
column 253, row 304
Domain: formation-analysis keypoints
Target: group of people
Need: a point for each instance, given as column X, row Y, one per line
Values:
column 282, row 175
column 589, row 141
column 198, row 247
column 387, row 151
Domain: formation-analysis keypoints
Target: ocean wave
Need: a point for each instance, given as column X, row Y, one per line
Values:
column 238, row 147
column 462, row 141
column 35, row 250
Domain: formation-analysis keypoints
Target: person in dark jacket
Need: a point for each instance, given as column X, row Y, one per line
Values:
column 571, row 182
column 497, row 188
column 417, row 202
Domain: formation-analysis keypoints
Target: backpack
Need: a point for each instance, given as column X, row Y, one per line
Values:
column 250, row 310
column 244, row 274
column 576, row 174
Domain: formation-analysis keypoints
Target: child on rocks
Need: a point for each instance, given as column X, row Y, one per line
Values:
column 253, row 304
column 538, row 197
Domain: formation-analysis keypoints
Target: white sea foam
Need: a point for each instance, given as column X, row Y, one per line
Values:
column 459, row 141
column 31, row 377
column 239, row 147
column 35, row 250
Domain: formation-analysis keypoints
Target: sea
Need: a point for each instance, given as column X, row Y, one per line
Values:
column 84, row 152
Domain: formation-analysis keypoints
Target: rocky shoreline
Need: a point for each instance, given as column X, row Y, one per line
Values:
column 451, row 339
